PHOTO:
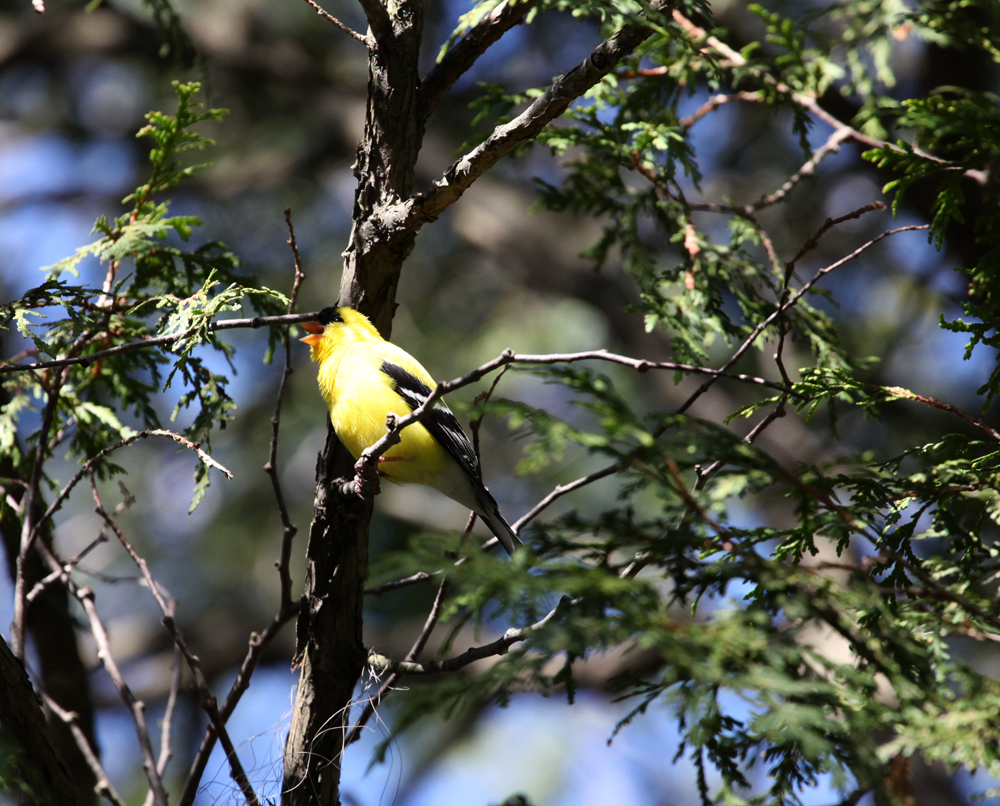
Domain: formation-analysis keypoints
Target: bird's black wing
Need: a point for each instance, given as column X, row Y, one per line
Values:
column 440, row 421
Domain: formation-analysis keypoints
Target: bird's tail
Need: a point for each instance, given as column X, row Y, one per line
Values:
column 490, row 513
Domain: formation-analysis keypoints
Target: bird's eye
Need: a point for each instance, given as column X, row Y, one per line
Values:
column 329, row 315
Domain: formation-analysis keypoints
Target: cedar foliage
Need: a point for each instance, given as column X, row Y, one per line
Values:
column 893, row 554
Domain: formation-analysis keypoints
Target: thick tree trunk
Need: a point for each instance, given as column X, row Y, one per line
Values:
column 60, row 666
column 330, row 649
column 38, row 761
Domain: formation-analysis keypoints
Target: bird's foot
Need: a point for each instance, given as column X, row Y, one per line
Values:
column 365, row 483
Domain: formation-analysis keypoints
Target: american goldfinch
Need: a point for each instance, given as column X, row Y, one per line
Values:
column 362, row 377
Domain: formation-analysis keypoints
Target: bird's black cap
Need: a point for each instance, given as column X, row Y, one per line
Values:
column 329, row 315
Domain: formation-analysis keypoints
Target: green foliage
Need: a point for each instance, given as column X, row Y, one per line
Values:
column 829, row 644
column 148, row 268
column 954, row 136
column 828, row 639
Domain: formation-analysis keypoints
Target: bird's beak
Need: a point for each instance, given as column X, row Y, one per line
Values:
column 315, row 333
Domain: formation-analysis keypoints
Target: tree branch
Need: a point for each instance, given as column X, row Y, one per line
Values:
column 326, row 15
column 367, row 466
column 471, row 655
column 401, row 220
column 464, row 53
column 429, row 624
column 208, row 701
column 103, row 786
column 158, row 341
column 782, row 307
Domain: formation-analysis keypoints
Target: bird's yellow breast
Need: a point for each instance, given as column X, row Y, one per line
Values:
column 359, row 395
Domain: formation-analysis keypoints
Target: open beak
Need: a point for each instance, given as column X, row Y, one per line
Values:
column 315, row 330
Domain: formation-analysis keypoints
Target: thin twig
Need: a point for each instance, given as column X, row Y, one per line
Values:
column 159, row 341
column 728, row 543
column 711, row 104
column 330, row 18
column 209, row 703
column 831, row 146
column 405, row 582
column 136, row 707
column 776, row 413
column 829, row 224
column 91, row 463
column 367, row 465
column 103, row 786
column 66, row 567
column 934, row 403
column 559, row 491
column 471, row 655
column 418, row 646
column 166, row 724
column 288, row 529
column 788, row 304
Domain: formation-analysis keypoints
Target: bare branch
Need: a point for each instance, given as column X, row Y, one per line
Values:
column 460, row 57
column 158, row 341
column 65, row 568
column 714, row 103
column 208, row 701
column 471, row 655
column 561, row 490
column 827, row 225
column 136, row 707
column 289, row 530
column 401, row 220
column 831, row 146
column 789, row 303
column 330, row 18
column 418, row 646
column 91, row 463
column 777, row 413
column 934, row 403
column 166, row 752
column 405, row 582
column 103, row 787
column 366, row 468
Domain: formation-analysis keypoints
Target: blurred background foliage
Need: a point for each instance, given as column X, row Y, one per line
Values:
column 498, row 270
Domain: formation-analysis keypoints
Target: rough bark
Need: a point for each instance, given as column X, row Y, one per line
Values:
column 330, row 650
column 22, row 725
column 60, row 666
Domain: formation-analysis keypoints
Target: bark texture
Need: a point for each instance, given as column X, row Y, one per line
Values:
column 330, row 650
column 23, row 729
column 387, row 216
column 60, row 666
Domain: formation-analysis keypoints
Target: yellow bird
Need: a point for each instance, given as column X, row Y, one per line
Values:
column 362, row 377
